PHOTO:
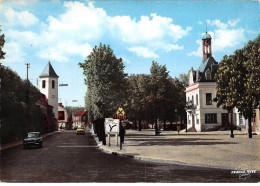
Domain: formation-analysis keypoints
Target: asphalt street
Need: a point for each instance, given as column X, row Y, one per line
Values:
column 67, row 157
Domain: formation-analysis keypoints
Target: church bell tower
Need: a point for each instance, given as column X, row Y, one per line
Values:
column 49, row 87
column 206, row 46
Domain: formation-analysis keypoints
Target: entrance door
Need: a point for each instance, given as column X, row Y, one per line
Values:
column 224, row 119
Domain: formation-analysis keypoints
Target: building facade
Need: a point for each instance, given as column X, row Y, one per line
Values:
column 80, row 119
column 62, row 116
column 49, row 87
column 202, row 113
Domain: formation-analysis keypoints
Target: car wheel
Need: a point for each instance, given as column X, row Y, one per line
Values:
column 24, row 146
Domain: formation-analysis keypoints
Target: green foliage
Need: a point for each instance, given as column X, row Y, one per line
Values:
column 155, row 96
column 184, row 79
column 105, row 80
column 73, row 110
column 2, row 42
column 13, row 107
column 238, row 80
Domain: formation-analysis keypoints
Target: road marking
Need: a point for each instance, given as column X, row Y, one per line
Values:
column 80, row 146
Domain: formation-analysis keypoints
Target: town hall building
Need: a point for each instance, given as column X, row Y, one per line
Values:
column 202, row 113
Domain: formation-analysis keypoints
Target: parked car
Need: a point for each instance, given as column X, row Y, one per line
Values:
column 32, row 139
column 80, row 130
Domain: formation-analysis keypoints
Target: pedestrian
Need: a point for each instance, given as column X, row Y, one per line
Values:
column 122, row 136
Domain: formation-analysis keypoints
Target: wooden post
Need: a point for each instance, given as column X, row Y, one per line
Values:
column 108, row 139
column 116, row 139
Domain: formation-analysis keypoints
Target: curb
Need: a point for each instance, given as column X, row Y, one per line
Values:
column 19, row 142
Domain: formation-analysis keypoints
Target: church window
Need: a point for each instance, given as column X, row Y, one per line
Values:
column 53, row 84
column 43, row 83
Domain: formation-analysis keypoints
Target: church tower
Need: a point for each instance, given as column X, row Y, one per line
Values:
column 49, row 87
column 206, row 46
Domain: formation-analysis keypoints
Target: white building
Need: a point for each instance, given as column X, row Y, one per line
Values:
column 49, row 87
column 202, row 113
column 63, row 116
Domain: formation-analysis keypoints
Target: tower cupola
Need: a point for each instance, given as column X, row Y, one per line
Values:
column 206, row 46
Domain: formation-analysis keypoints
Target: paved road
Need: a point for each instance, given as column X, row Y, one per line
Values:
column 66, row 157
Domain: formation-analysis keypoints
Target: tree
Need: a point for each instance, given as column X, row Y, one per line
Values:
column 106, row 81
column 238, row 79
column 13, row 90
column 251, row 88
column 229, row 84
column 184, row 78
column 137, row 89
column 2, row 42
column 157, row 100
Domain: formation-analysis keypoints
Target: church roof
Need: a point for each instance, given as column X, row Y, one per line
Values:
column 206, row 36
column 206, row 64
column 49, row 71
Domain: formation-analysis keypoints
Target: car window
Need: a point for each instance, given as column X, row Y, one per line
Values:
column 33, row 135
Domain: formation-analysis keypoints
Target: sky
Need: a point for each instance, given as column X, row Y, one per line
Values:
column 139, row 32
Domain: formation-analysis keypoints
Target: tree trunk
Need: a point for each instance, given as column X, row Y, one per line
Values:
column 135, row 125
column 139, row 124
column 250, row 126
column 231, row 125
column 171, row 125
column 102, row 123
column 156, row 128
column 164, row 124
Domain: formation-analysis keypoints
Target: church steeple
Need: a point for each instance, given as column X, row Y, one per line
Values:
column 49, row 71
column 49, row 87
column 206, row 46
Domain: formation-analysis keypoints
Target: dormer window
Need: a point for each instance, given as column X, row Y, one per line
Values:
column 208, row 75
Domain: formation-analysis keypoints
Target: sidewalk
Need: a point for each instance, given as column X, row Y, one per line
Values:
column 207, row 149
column 19, row 142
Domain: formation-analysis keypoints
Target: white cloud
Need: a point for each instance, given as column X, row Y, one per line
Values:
column 72, row 32
column 226, row 35
column 23, row 18
column 126, row 60
column 143, row 52
column 147, row 29
column 198, row 52
column 14, row 53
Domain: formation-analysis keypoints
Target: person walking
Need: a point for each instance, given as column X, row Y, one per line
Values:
column 122, row 136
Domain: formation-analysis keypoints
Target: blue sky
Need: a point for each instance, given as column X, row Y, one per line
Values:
column 140, row 32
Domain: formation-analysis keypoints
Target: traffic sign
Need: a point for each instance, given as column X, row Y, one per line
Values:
column 120, row 114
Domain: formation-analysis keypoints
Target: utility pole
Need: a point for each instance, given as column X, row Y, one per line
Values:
column 27, row 99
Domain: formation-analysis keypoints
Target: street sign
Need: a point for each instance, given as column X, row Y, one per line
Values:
column 120, row 114
column 63, row 85
column 111, row 126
